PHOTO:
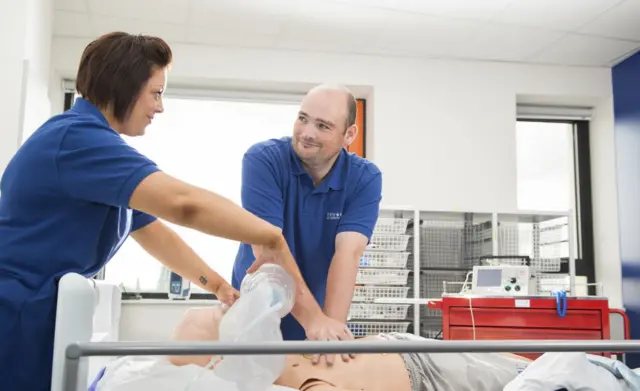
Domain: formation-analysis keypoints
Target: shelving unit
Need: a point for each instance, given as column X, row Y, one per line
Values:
column 451, row 243
column 384, row 273
column 413, row 253
column 547, row 238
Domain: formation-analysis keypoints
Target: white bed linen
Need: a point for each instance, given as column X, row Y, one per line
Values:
column 570, row 371
column 142, row 373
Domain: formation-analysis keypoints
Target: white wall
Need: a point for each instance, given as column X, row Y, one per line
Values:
column 605, row 202
column 25, row 76
column 442, row 131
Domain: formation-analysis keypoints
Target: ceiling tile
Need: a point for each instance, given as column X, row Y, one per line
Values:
column 340, row 27
column 215, row 37
column 584, row 50
column 71, row 5
column 71, row 24
column 167, row 11
column 166, row 31
column 251, row 16
column 562, row 15
column 623, row 21
column 424, row 34
column 388, row 4
column 471, row 9
column 507, row 43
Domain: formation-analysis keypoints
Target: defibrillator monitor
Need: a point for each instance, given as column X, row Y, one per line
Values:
column 505, row 280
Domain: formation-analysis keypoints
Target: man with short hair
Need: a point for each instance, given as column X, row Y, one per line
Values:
column 326, row 201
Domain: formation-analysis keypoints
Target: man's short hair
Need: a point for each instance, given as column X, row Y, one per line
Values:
column 115, row 67
column 352, row 109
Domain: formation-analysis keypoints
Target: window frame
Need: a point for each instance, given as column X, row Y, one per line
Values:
column 585, row 257
column 358, row 147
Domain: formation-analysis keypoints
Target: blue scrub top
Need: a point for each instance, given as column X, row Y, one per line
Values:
column 276, row 188
column 63, row 208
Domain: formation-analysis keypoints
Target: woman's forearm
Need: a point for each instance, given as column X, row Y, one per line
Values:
column 178, row 202
column 166, row 246
column 214, row 214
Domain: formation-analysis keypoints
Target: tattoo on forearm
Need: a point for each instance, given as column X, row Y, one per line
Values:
column 203, row 280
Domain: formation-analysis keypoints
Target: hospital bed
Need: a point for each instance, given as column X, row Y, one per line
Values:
column 88, row 310
column 76, row 351
column 86, row 338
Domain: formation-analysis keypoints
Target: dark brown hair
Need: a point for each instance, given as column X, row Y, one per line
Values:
column 115, row 67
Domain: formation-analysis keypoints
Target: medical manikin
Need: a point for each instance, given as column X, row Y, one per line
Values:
column 265, row 297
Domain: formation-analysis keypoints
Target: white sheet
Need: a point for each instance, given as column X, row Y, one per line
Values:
column 140, row 373
column 570, row 371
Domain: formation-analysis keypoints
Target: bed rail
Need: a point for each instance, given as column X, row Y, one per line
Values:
column 76, row 351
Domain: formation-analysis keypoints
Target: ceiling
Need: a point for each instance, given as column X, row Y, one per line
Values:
column 570, row 32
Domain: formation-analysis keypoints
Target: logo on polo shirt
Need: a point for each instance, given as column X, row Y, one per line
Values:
column 334, row 216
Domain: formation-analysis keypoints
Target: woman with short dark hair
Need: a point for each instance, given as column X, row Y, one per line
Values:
column 75, row 190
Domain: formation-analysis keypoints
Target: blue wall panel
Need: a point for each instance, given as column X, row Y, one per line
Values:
column 626, row 100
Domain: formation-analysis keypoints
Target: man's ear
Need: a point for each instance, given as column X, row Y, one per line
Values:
column 350, row 135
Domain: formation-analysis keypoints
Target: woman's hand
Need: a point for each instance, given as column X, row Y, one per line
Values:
column 227, row 294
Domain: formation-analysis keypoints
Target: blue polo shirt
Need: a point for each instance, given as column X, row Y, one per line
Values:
column 64, row 207
column 276, row 188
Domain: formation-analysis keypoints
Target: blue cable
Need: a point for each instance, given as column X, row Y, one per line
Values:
column 561, row 302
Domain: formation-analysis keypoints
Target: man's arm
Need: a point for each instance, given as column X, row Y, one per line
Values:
column 342, row 274
column 355, row 229
column 262, row 196
column 166, row 246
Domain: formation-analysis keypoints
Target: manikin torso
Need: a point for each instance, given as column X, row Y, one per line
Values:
column 365, row 372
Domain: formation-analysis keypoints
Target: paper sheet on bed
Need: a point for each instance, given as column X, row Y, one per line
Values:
column 570, row 371
column 140, row 373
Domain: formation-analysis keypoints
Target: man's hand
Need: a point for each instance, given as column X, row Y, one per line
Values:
column 263, row 255
column 227, row 294
column 324, row 328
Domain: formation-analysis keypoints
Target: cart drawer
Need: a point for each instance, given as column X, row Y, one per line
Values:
column 497, row 333
column 526, row 317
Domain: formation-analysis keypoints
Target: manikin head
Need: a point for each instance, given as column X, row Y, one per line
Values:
column 325, row 125
column 197, row 324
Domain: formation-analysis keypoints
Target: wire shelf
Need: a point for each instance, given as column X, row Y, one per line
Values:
column 433, row 283
column 391, row 225
column 453, row 244
column 378, row 311
column 544, row 242
column 382, row 276
column 363, row 329
column 548, row 265
column 371, row 292
column 388, row 242
column 384, row 259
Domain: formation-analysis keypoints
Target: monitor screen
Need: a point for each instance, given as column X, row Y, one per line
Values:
column 489, row 277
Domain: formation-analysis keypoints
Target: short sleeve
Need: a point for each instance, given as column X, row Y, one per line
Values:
column 95, row 164
column 362, row 209
column 141, row 220
column 261, row 192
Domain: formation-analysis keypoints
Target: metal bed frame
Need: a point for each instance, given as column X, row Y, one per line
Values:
column 76, row 351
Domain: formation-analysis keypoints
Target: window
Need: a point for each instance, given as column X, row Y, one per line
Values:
column 202, row 142
column 545, row 166
column 553, row 168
